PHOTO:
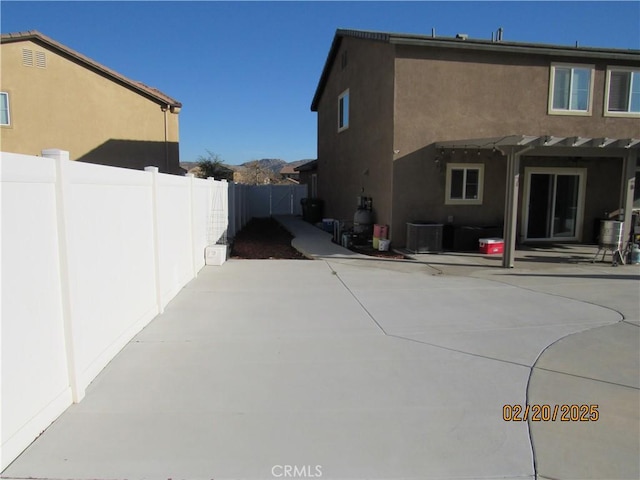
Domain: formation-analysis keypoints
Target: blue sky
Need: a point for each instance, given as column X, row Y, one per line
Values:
column 246, row 72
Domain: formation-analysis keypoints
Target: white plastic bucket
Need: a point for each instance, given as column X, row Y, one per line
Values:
column 384, row 245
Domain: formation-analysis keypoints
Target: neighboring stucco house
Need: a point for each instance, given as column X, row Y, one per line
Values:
column 54, row 97
column 309, row 176
column 290, row 174
column 540, row 139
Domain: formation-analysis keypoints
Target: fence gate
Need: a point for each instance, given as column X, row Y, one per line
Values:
column 266, row 200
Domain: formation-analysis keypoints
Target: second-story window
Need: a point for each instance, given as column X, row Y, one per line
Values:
column 623, row 92
column 570, row 91
column 343, row 111
column 4, row 109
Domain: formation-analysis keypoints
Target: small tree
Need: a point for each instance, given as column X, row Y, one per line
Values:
column 211, row 165
column 254, row 173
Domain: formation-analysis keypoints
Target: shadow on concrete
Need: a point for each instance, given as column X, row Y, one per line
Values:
column 595, row 276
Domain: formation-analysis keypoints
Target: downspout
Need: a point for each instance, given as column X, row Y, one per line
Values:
column 165, row 109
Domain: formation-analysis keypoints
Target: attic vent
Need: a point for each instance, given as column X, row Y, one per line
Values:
column 41, row 60
column 27, row 57
column 343, row 61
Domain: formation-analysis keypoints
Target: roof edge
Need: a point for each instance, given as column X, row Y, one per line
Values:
column 465, row 43
column 139, row 87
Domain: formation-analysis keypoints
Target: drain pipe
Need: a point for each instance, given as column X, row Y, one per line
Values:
column 165, row 109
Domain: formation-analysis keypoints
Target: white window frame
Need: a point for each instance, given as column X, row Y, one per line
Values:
column 6, row 95
column 342, row 125
column 552, row 78
column 607, row 92
column 464, row 201
column 581, row 173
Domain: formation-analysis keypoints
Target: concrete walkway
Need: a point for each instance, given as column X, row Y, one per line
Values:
column 350, row 367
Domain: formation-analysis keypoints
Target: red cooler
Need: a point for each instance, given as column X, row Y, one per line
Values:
column 491, row 246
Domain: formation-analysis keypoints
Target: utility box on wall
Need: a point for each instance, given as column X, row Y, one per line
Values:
column 215, row 254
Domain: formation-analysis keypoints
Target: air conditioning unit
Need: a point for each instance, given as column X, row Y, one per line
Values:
column 424, row 237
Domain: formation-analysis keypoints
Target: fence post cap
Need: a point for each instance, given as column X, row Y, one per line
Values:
column 55, row 153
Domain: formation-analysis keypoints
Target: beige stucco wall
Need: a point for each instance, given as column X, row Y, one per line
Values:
column 448, row 95
column 357, row 161
column 68, row 106
column 451, row 95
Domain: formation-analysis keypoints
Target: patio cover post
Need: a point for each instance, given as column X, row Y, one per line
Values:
column 511, row 208
column 630, row 162
column 511, row 203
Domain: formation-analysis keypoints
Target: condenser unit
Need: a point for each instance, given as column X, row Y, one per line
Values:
column 424, row 237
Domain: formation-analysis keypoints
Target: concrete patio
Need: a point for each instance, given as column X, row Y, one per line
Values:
column 349, row 367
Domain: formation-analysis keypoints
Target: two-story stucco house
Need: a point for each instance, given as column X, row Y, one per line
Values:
column 541, row 140
column 54, row 97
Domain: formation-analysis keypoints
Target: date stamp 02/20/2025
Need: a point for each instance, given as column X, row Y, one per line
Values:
column 550, row 413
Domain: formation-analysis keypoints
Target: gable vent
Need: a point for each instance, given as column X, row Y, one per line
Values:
column 27, row 57
column 41, row 60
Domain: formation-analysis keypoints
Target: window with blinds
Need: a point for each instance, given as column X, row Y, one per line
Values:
column 623, row 91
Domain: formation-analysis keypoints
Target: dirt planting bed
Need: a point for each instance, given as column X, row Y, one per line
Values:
column 264, row 238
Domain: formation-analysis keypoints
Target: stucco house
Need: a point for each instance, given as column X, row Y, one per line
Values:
column 309, row 176
column 54, row 97
column 288, row 173
column 541, row 140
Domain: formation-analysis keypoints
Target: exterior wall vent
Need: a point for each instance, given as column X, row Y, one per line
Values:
column 27, row 57
column 41, row 60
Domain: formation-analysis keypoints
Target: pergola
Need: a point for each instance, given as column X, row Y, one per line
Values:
column 513, row 147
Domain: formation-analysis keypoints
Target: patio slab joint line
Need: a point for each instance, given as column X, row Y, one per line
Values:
column 586, row 378
column 462, row 352
column 542, row 292
column 533, row 367
column 333, row 272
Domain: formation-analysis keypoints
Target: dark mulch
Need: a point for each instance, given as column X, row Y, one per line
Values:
column 264, row 238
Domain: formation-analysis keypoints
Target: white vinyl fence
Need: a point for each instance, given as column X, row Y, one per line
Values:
column 257, row 201
column 90, row 254
column 267, row 200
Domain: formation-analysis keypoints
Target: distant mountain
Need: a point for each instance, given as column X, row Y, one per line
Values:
column 273, row 164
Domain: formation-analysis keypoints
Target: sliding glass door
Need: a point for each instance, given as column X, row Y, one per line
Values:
column 554, row 200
